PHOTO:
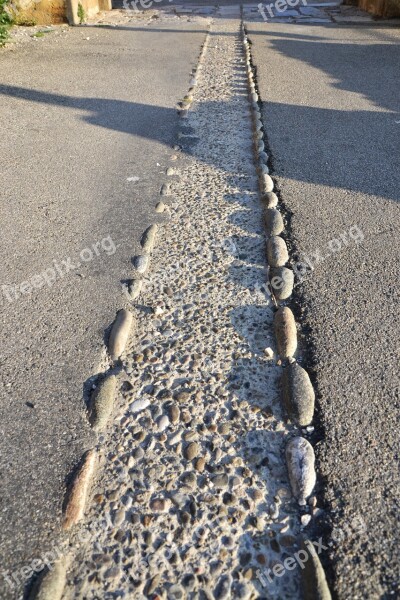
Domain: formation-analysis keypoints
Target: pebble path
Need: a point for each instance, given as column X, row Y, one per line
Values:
column 193, row 496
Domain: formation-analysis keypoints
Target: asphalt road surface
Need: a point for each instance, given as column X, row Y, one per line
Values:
column 330, row 97
column 88, row 122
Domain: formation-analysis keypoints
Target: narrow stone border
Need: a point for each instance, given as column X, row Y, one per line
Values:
column 50, row 586
column 298, row 395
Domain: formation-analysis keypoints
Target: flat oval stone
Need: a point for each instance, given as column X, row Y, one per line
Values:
column 285, row 332
column 102, row 403
column 192, row 450
column 277, row 252
column 270, row 199
column 273, row 222
column 148, row 238
column 298, row 395
column 282, row 282
column 300, row 461
column 267, row 183
column 119, row 333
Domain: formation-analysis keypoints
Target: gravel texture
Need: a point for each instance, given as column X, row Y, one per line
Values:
column 195, row 497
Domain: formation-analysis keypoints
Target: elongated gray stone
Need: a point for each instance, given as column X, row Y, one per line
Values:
column 102, row 403
column 119, row 333
column 273, row 222
column 51, row 584
column 270, row 200
column 298, row 395
column 262, row 169
column 267, row 183
column 148, row 238
column 277, row 252
column 282, row 282
column 285, row 332
column 313, row 578
column 300, row 461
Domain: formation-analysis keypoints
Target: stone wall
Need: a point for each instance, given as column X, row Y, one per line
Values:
column 46, row 12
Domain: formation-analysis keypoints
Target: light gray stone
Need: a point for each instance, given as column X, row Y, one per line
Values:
column 273, row 222
column 282, row 282
column 300, row 461
column 277, row 252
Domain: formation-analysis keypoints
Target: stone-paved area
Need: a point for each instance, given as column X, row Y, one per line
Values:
column 194, row 498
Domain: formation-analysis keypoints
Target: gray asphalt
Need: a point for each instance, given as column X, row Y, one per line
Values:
column 79, row 117
column 330, row 100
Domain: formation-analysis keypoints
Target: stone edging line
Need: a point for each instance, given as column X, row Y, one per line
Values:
column 51, row 584
column 298, row 395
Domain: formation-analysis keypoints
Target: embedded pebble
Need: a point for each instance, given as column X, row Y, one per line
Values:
column 220, row 481
column 148, row 238
column 141, row 262
column 165, row 190
column 269, row 199
column 277, row 252
column 192, row 450
column 273, row 222
column 139, row 405
column 282, row 282
column 134, row 288
column 298, row 395
column 160, row 207
column 300, row 462
column 313, row 578
column 162, row 423
column 119, row 333
column 267, row 182
column 102, row 403
column 285, row 332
